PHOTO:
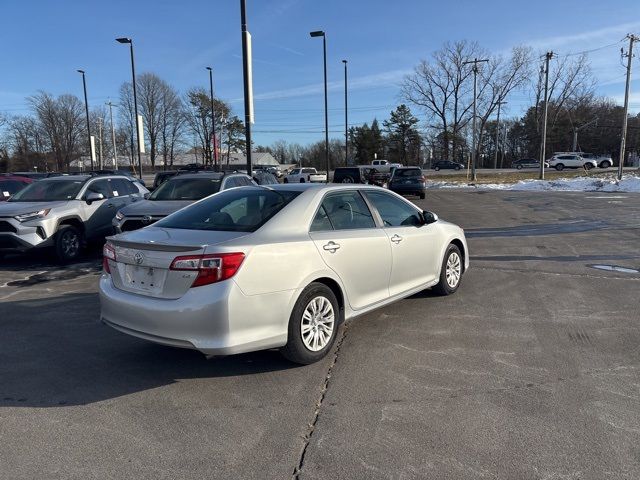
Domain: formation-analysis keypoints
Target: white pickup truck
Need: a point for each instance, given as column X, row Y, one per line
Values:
column 305, row 175
column 383, row 166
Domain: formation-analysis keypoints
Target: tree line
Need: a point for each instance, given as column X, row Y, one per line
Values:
column 54, row 132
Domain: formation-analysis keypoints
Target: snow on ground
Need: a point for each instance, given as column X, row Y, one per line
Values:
column 629, row 183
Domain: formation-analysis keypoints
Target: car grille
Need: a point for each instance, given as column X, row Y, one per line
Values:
column 134, row 224
column 7, row 227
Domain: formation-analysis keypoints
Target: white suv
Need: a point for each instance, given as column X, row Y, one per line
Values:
column 571, row 160
column 64, row 212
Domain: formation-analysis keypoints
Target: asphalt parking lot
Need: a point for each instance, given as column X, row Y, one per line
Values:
column 530, row 371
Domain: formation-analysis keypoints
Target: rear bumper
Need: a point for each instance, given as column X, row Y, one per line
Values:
column 410, row 189
column 215, row 319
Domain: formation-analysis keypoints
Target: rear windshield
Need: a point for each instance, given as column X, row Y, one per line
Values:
column 414, row 172
column 49, row 191
column 236, row 210
column 186, row 189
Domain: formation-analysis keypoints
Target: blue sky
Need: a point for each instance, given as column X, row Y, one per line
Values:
column 44, row 42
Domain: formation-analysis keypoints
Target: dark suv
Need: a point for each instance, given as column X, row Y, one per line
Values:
column 408, row 181
column 352, row 175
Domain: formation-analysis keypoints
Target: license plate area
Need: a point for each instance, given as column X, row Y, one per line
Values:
column 144, row 279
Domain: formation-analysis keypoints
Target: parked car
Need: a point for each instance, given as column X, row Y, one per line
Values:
column 37, row 175
column 124, row 173
column 174, row 194
column 275, row 171
column 218, row 276
column 10, row 184
column 358, row 174
column 383, row 166
column 527, row 163
column 603, row 161
column 64, row 212
column 264, row 177
column 408, row 181
column 447, row 164
column 571, row 160
column 305, row 175
column 161, row 177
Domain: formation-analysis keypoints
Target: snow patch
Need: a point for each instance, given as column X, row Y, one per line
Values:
column 629, row 183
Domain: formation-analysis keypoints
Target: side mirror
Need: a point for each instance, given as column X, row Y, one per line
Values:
column 93, row 197
column 429, row 217
column 146, row 195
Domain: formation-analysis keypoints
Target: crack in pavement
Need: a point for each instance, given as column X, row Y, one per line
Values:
column 559, row 274
column 297, row 471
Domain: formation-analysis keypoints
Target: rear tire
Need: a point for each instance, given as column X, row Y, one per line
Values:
column 450, row 271
column 285, row 181
column 313, row 325
column 588, row 166
column 436, row 168
column 422, row 196
column 457, row 168
column 348, row 179
column 519, row 167
column 302, row 180
column 605, row 164
column 68, row 243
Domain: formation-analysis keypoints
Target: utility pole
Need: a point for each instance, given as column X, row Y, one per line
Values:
column 475, row 62
column 632, row 38
column 213, row 139
column 577, row 129
column 86, row 108
column 543, row 146
column 113, row 135
column 495, row 159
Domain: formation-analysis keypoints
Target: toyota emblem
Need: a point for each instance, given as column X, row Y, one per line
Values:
column 146, row 219
column 138, row 257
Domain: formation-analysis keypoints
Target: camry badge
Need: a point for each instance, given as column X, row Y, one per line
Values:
column 138, row 257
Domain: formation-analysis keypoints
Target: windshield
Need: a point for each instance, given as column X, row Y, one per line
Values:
column 186, row 189
column 235, row 210
column 49, row 191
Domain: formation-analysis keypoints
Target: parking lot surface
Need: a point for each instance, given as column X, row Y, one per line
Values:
column 531, row 370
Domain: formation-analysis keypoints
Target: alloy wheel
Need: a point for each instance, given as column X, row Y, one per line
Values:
column 453, row 270
column 318, row 322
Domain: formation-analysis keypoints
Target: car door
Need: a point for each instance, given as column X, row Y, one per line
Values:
column 98, row 214
column 352, row 245
column 123, row 191
column 415, row 251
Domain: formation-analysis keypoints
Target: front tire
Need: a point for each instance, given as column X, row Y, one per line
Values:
column 450, row 272
column 313, row 325
column 436, row 168
column 68, row 243
column 559, row 167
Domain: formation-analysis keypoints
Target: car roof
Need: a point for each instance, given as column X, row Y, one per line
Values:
column 9, row 176
column 212, row 175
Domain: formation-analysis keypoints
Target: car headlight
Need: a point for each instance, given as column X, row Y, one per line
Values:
column 25, row 217
column 119, row 215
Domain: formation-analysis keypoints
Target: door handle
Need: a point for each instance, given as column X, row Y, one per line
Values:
column 331, row 247
column 396, row 239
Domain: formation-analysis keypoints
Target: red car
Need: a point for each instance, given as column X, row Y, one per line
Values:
column 10, row 184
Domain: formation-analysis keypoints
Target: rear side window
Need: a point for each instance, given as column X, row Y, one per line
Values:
column 122, row 187
column 346, row 211
column 394, row 211
column 308, row 170
column 321, row 223
column 100, row 186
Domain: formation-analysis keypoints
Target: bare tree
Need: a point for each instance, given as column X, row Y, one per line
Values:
column 172, row 123
column 197, row 107
column 61, row 121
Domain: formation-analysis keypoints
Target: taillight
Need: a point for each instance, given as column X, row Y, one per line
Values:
column 423, row 178
column 108, row 253
column 211, row 268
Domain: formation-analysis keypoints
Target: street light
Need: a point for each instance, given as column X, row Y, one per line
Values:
column 213, row 119
column 346, row 118
column 135, row 99
column 86, row 108
column 320, row 33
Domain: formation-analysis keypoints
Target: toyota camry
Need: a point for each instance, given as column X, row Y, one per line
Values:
column 281, row 266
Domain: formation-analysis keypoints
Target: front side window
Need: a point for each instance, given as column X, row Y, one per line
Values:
column 49, row 191
column 100, row 186
column 347, row 211
column 237, row 210
column 394, row 211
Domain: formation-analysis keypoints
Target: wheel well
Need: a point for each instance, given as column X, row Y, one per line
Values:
column 74, row 222
column 337, row 291
column 459, row 244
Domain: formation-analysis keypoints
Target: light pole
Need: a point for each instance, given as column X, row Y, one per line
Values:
column 475, row 62
column 246, row 75
column 543, row 140
column 346, row 117
column 495, row 158
column 135, row 99
column 320, row 33
column 113, row 135
column 86, row 108
column 213, row 120
column 632, row 39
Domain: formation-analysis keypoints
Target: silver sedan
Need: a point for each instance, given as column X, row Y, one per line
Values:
column 282, row 266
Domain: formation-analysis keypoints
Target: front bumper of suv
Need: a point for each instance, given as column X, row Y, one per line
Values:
column 21, row 237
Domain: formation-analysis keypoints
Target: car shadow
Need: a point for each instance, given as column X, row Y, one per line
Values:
column 55, row 352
